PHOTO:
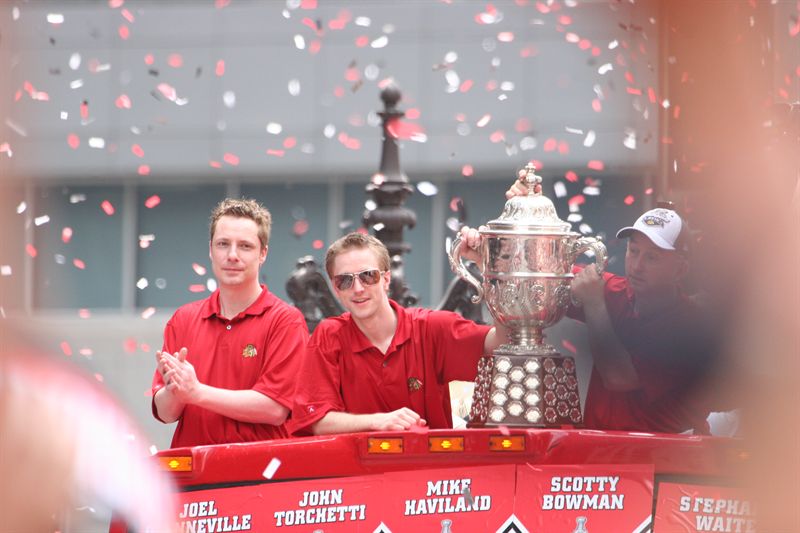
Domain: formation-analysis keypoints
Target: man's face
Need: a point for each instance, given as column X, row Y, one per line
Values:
column 650, row 269
column 362, row 300
column 236, row 252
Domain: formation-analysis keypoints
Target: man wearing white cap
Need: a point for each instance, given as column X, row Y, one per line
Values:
column 648, row 341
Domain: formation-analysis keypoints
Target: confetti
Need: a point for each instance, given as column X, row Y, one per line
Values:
column 143, row 170
column 231, row 159
column 152, row 201
column 142, row 283
column 318, row 244
column 66, row 348
column 427, row 188
column 569, row 346
column 629, row 200
column 44, row 219
column 175, row 60
column 107, row 207
column 271, row 468
column 199, row 269
column 123, row 101
column 300, row 228
column 21, row 207
column 73, row 141
column 79, row 264
column 467, row 171
column 147, row 313
column 595, row 164
column 31, row 250
column 84, row 313
column 5, row 270
column 196, row 287
column 55, row 18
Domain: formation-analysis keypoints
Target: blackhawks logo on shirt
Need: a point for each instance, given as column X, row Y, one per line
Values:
column 249, row 351
column 414, row 384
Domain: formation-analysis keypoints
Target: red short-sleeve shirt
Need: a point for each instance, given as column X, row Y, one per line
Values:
column 671, row 352
column 259, row 349
column 343, row 371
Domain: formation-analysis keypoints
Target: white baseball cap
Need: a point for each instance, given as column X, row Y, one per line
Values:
column 662, row 226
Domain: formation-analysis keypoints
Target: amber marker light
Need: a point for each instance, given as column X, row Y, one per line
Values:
column 446, row 444
column 515, row 443
column 387, row 445
column 182, row 463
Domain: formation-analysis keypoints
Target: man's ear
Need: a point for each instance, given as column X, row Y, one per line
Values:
column 263, row 255
column 387, row 280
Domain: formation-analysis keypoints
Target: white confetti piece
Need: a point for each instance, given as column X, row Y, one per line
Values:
column 55, row 18
column 560, row 189
column 142, row 283
column 427, row 188
column 21, row 208
column 44, row 219
column 271, row 468
column 5, row 270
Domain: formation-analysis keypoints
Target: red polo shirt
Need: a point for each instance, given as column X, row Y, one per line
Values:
column 343, row 371
column 259, row 349
column 671, row 352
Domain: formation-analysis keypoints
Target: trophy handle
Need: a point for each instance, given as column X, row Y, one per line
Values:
column 595, row 245
column 457, row 265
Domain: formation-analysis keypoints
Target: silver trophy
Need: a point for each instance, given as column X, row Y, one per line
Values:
column 527, row 255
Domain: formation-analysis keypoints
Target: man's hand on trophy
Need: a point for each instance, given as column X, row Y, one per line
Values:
column 519, row 189
column 471, row 240
column 587, row 287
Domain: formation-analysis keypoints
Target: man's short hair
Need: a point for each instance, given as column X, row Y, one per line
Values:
column 243, row 208
column 356, row 240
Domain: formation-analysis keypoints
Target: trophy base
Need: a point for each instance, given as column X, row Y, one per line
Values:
column 538, row 389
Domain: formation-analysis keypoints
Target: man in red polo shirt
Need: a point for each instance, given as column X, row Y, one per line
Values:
column 650, row 344
column 381, row 366
column 229, row 364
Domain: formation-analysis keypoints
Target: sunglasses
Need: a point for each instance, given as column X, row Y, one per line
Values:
column 366, row 277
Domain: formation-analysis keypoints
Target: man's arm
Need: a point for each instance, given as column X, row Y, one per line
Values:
column 611, row 359
column 338, row 422
column 183, row 387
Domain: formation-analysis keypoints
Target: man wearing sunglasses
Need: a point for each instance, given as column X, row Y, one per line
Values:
column 381, row 367
column 229, row 363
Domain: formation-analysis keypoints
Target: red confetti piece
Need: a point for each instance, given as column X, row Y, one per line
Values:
column 114, row 4
column 314, row 47
column 634, row 91
column 595, row 51
column 79, row 264
column 275, row 153
column 569, row 346
column 455, row 203
column 651, row 94
column 152, row 201
column 584, row 44
column 107, row 207
column 123, row 102
column 629, row 200
column 200, row 270
column 529, row 51
column 220, row 68
column 497, row 136
column 349, row 142
column 649, row 191
column 137, row 150
column 129, row 345
column 465, row 86
column 84, row 110
column 308, row 4
column 467, row 171
column 143, row 170
column 124, row 32
column 149, row 59
column 351, row 74
column 168, row 91
column 215, row 164
column 522, row 125
column 127, row 15
column 338, row 92
column 571, row 176
column 66, row 234
column 289, row 143
column 98, row 377
column 595, row 164
column 231, row 159
column 66, row 348
column 362, row 41
column 197, row 287
column 317, row 244
column 566, row 20
column 550, row 145
column 145, row 347
column 538, row 165
column 596, row 105
column 84, row 313
column 219, row 4
column 175, row 60
column 73, row 141
column 413, row 113
column 563, row 147
column 676, row 113
column 31, row 250
column 300, row 228
column 578, row 199
column 310, row 23
column 399, row 129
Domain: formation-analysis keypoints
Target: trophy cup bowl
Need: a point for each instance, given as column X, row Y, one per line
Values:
column 527, row 255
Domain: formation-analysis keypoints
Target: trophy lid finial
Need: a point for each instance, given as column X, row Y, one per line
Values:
column 530, row 179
